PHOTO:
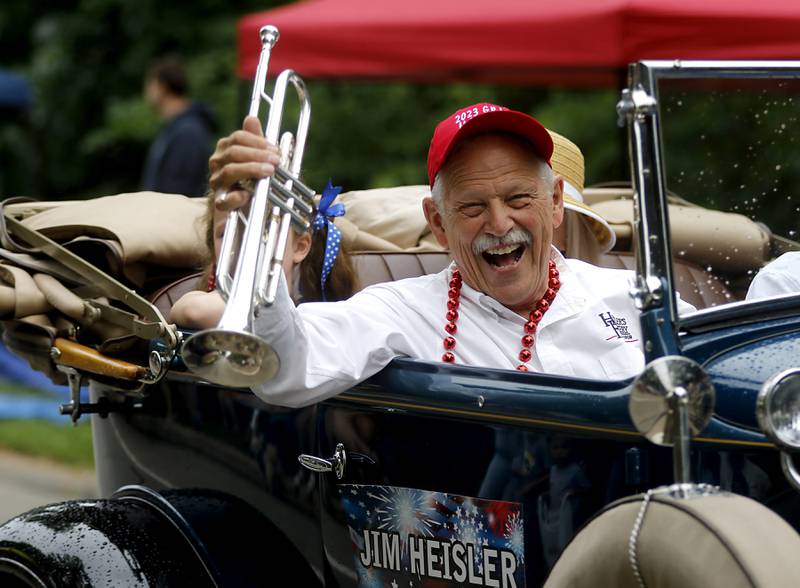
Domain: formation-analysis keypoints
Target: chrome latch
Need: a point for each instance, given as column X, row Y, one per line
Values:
column 335, row 464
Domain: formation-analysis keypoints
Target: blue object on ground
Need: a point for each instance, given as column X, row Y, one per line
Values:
column 18, row 406
column 17, row 370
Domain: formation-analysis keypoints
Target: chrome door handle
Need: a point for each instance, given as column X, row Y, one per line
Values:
column 335, row 464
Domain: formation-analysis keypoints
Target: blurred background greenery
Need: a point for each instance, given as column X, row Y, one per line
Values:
column 89, row 128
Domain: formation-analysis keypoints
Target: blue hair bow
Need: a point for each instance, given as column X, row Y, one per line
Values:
column 326, row 210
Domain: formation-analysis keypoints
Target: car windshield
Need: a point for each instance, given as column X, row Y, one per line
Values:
column 731, row 153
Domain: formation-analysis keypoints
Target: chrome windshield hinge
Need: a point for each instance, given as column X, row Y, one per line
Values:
column 647, row 292
column 635, row 103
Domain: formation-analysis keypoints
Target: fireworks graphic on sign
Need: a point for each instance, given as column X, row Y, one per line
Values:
column 370, row 578
column 405, row 511
column 514, row 536
column 470, row 528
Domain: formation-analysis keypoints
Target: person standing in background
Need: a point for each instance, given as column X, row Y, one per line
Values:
column 177, row 161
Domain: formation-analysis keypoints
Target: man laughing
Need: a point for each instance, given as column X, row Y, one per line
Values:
column 508, row 300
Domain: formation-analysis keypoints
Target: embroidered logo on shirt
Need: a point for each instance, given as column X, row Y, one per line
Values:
column 618, row 325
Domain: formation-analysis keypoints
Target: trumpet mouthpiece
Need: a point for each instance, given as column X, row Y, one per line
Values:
column 269, row 35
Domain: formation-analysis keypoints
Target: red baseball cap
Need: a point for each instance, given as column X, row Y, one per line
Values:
column 484, row 118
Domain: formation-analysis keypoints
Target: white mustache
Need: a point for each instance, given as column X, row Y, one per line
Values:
column 513, row 237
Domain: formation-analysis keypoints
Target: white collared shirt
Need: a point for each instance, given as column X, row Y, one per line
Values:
column 780, row 276
column 591, row 331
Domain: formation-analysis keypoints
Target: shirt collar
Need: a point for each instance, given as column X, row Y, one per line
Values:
column 571, row 298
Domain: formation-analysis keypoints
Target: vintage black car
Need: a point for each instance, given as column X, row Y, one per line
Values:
column 401, row 480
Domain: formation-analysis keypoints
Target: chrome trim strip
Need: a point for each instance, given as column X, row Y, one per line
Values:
column 789, row 471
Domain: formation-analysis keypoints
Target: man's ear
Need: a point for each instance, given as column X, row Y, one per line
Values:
column 434, row 218
column 301, row 247
column 558, row 201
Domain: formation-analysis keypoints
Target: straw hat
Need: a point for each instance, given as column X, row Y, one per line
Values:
column 567, row 161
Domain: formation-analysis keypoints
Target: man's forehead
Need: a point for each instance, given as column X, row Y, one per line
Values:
column 476, row 187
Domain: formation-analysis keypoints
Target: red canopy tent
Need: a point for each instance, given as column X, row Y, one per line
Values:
column 574, row 41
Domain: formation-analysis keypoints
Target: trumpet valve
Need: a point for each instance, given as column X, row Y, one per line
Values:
column 286, row 146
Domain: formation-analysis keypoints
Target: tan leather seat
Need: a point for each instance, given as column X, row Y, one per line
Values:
column 374, row 268
column 696, row 286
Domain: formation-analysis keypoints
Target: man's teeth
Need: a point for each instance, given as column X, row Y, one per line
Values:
column 503, row 250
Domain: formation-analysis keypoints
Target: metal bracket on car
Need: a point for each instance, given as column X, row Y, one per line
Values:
column 636, row 103
column 153, row 324
column 129, row 321
column 75, row 408
column 647, row 292
column 336, row 464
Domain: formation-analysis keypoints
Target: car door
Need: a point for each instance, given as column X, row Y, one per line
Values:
column 467, row 475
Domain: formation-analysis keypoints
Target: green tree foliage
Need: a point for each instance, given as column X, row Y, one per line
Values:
column 377, row 134
column 89, row 128
column 733, row 146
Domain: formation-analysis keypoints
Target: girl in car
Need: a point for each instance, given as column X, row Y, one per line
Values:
column 316, row 265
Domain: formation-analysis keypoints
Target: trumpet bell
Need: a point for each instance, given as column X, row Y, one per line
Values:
column 230, row 358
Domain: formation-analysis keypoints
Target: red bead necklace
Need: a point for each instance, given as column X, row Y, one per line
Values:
column 542, row 306
column 211, row 285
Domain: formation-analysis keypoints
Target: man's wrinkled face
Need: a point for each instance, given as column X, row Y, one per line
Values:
column 498, row 218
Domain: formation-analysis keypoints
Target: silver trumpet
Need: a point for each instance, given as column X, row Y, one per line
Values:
column 231, row 354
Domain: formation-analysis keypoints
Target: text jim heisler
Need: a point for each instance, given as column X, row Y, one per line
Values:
column 448, row 560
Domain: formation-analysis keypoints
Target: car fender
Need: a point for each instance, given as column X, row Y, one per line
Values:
column 141, row 537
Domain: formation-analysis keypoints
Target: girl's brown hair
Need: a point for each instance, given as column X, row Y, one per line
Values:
column 342, row 280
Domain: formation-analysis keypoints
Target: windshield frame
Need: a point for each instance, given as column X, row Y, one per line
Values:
column 639, row 107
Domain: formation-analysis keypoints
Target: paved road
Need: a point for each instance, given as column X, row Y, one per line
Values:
column 26, row 482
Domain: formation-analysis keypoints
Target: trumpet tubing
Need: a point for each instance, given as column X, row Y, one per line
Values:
column 248, row 277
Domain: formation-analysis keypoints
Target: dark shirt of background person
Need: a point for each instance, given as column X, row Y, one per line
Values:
column 177, row 161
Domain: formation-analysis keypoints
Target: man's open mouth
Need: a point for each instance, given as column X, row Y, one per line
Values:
column 504, row 256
